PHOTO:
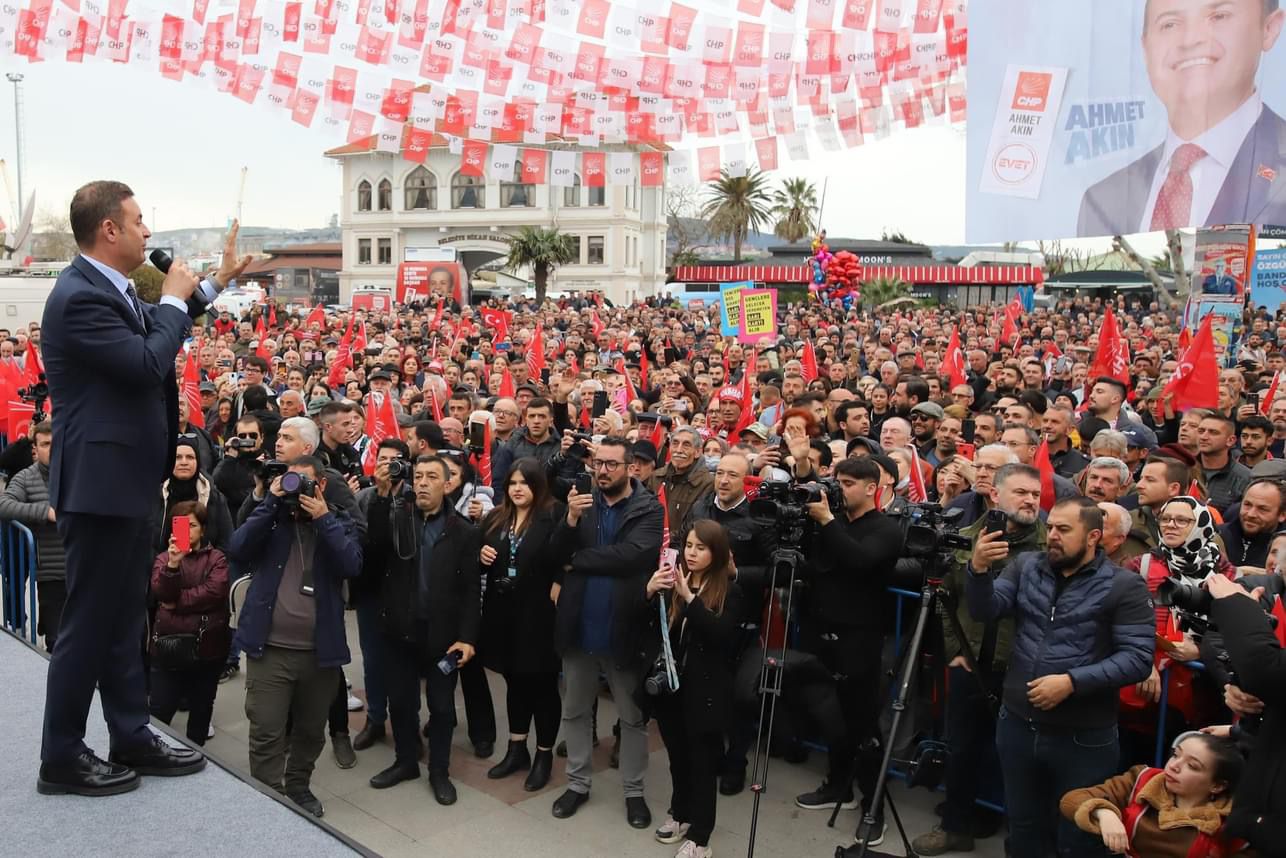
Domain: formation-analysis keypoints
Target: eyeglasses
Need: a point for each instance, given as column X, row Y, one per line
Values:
column 1175, row 521
column 244, row 435
column 919, row 418
column 604, row 465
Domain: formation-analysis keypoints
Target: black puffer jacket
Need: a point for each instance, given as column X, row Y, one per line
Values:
column 26, row 501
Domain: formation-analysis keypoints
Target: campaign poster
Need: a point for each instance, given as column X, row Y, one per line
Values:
column 1268, row 280
column 1226, row 325
column 730, row 306
column 428, row 281
column 758, row 315
column 1220, row 264
column 1115, row 117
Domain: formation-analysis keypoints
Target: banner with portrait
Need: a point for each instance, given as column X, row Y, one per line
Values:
column 428, row 281
column 1268, row 280
column 1221, row 263
column 1114, row 117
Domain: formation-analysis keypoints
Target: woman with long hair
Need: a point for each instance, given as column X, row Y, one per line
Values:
column 518, row 618
column 704, row 617
column 190, row 637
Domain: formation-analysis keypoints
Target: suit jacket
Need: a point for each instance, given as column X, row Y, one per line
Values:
column 114, row 394
column 1115, row 205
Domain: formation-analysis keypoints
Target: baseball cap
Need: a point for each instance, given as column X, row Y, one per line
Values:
column 208, row 387
column 645, row 450
column 871, row 445
column 380, row 373
column 653, row 417
column 316, row 404
column 759, row 430
column 435, row 366
column 1138, row 435
column 931, row 409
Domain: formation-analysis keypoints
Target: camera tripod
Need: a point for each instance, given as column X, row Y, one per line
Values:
column 930, row 595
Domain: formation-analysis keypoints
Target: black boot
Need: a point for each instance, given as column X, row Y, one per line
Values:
column 541, row 768
column 516, row 759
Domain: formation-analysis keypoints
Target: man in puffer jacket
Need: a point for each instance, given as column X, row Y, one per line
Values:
column 1083, row 629
column 26, row 500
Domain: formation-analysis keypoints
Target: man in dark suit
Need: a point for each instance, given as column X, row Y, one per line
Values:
column 109, row 358
column 1219, row 282
column 1224, row 156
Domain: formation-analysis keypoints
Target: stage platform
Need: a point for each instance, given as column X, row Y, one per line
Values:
column 214, row 812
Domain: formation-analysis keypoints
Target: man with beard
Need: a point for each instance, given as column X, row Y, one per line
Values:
column 1107, row 400
column 986, row 429
column 910, row 392
column 1277, row 414
column 1058, row 724
column 1066, row 459
column 1254, row 436
column 1247, row 539
column 925, row 419
column 972, row 727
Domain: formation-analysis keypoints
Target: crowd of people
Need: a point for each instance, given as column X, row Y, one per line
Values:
column 554, row 498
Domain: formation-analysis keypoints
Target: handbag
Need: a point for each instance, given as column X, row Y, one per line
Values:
column 176, row 652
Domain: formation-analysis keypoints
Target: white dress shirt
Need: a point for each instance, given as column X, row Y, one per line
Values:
column 1221, row 145
column 207, row 288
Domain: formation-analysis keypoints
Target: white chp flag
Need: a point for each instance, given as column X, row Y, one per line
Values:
column 679, row 169
column 620, row 168
column 1023, row 131
column 503, row 158
column 562, row 169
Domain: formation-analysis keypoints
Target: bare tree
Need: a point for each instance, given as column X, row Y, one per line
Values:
column 1164, row 297
column 52, row 237
column 686, row 232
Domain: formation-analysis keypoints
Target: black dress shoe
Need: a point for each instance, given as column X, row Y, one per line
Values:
column 86, row 775
column 484, row 749
column 159, row 759
column 443, row 789
column 395, row 774
column 542, row 766
column 368, row 736
column 516, row 759
column 566, row 805
column 306, row 800
column 731, row 783
column 637, row 813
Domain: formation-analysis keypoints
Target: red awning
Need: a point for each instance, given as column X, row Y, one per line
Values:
column 927, row 275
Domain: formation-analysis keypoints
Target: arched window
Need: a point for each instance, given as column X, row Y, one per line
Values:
column 363, row 196
column 421, row 190
column 517, row 193
column 386, row 195
column 571, row 194
column 468, row 192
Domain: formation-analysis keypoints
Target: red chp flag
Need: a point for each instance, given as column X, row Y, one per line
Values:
column 192, row 388
column 381, row 423
column 536, row 352
column 629, row 384
column 1195, row 383
column 1113, row 356
column 507, row 384
column 316, row 317
column 953, row 361
column 919, row 489
column 484, row 458
column 33, row 365
column 808, row 362
column 343, row 358
column 1046, row 468
column 1270, row 396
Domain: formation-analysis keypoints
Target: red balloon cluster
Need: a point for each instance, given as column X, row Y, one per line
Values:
column 844, row 272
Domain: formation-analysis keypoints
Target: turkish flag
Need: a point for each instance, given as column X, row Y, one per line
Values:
column 1046, row 468
column 35, row 368
column 953, row 362
column 316, row 317
column 497, row 321
column 596, row 326
column 1195, row 383
column 506, row 384
column 192, row 388
column 1009, row 331
column 919, row 490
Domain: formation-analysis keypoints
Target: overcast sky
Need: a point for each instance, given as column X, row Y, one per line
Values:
column 181, row 147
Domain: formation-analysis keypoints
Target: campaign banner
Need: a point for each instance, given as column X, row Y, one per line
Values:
column 1104, row 117
column 758, row 317
column 1268, row 280
column 1226, row 325
column 428, row 281
column 1220, row 264
column 730, row 306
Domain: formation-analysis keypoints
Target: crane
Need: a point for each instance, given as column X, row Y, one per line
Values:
column 241, row 192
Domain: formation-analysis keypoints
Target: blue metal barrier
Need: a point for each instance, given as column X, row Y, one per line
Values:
column 18, row 576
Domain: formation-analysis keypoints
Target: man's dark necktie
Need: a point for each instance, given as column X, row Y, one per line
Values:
column 133, row 302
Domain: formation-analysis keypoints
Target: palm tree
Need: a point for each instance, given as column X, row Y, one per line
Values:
column 737, row 205
column 542, row 249
column 795, row 206
column 880, row 291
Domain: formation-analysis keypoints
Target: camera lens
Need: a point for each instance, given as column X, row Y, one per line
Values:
column 290, row 482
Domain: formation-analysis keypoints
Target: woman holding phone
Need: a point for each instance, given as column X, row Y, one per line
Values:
column 518, row 618
column 190, row 638
column 704, row 613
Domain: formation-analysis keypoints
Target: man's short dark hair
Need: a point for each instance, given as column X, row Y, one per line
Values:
column 806, row 399
column 259, row 363
column 540, row 402
column 823, row 451
column 1260, row 422
column 254, row 398
column 1014, row 469
column 250, row 418
column 1113, row 382
column 44, row 427
column 331, row 412
column 435, row 460
column 847, row 407
column 1091, row 517
column 316, row 465
column 395, row 444
column 917, row 387
column 1175, row 470
column 1228, row 422
column 863, row 468
column 94, row 203
column 1035, row 401
column 617, row 441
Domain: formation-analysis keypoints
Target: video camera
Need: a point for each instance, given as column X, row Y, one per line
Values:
column 37, row 394
column 929, row 535
column 783, row 504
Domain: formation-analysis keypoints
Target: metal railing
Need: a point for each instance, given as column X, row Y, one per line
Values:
column 18, row 579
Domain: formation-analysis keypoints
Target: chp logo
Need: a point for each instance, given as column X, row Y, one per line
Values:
column 1032, row 91
column 1014, row 164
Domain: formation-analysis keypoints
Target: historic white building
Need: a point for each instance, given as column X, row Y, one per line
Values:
column 393, row 210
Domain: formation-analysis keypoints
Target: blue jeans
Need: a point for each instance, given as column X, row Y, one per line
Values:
column 371, row 640
column 1040, row 765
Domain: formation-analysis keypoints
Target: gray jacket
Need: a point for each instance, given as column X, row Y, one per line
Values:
column 26, row 500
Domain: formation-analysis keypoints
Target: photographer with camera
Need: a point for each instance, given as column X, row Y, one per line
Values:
column 971, row 719
column 298, row 550
column 752, row 551
column 243, row 458
column 1083, row 629
column 432, row 604
column 852, row 561
column 610, row 541
column 336, row 421
column 1259, row 806
column 704, row 613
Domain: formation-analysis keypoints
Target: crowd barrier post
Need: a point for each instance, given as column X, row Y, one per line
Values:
column 18, row 570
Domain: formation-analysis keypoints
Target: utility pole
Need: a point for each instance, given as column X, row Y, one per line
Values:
column 16, row 79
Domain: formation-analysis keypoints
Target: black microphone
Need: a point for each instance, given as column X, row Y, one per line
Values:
column 161, row 260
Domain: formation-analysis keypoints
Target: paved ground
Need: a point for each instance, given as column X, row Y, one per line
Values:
column 494, row 818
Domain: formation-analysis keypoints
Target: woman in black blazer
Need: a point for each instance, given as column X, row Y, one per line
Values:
column 518, row 618
column 704, row 615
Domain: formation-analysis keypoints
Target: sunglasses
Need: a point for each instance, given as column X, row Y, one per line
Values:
column 247, row 435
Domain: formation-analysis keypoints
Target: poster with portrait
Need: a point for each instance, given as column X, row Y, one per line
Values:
column 1114, row 117
column 428, row 281
column 1221, row 263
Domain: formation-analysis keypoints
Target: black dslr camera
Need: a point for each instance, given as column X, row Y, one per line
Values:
column 399, row 469
column 295, row 485
column 1191, row 602
column 657, row 682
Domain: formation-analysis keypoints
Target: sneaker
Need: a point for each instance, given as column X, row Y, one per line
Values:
column 229, row 672
column 824, row 798
column 939, row 842
column 876, row 835
column 355, row 703
column 342, row 746
column 308, row 801
column 209, row 732
column 671, row 831
column 692, row 850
